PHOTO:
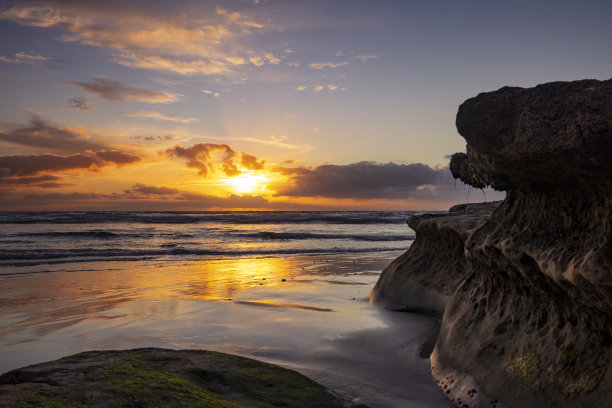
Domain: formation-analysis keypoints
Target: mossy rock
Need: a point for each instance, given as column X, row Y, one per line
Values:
column 152, row 377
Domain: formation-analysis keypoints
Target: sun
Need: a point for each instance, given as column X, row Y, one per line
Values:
column 247, row 183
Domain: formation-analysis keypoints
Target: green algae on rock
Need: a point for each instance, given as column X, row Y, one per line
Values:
column 152, row 377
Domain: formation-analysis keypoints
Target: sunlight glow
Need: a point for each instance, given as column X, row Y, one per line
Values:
column 247, row 183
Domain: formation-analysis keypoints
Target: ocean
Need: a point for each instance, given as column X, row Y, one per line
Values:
column 33, row 242
column 290, row 288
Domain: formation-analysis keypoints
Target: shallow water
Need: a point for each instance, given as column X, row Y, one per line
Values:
column 309, row 313
column 285, row 287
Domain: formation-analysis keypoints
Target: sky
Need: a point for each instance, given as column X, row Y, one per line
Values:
column 277, row 104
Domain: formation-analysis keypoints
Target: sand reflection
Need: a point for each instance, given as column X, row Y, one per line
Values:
column 37, row 304
column 226, row 279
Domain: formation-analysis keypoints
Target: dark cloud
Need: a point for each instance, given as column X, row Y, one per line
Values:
column 40, row 134
column 27, row 180
column 138, row 197
column 203, row 156
column 359, row 180
column 114, row 156
column 44, row 181
column 250, row 162
column 118, row 92
column 34, row 164
column 80, row 103
column 140, row 189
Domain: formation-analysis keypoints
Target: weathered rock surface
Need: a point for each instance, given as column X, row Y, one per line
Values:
column 531, row 323
column 161, row 378
column 425, row 277
column 555, row 134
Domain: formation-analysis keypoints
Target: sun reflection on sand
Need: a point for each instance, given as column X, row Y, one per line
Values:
column 209, row 303
column 225, row 279
column 53, row 301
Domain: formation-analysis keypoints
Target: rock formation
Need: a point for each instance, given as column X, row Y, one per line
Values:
column 530, row 324
column 153, row 377
column 424, row 278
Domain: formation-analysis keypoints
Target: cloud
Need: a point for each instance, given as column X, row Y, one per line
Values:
column 300, row 88
column 44, row 181
column 318, row 88
column 212, row 157
column 272, row 59
column 359, row 180
column 138, row 197
column 40, row 134
column 366, row 57
column 34, row 164
column 80, row 103
column 257, row 61
column 140, row 189
column 204, row 156
column 238, row 18
column 176, row 65
column 321, row 65
column 31, row 57
column 209, row 92
column 116, row 91
column 159, row 116
column 157, row 138
column 375, row 181
column 24, row 58
column 250, row 162
column 277, row 141
column 332, row 87
column 197, row 40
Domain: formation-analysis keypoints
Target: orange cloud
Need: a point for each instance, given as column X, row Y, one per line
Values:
column 40, row 134
column 250, row 162
column 159, row 116
column 205, row 157
column 321, row 65
column 34, row 164
column 203, row 41
column 201, row 156
column 139, row 197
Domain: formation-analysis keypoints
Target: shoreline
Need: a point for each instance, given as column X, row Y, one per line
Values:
column 306, row 313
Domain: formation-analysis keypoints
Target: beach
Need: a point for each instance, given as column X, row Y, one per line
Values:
column 307, row 312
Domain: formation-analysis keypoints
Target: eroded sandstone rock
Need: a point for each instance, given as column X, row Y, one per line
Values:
column 425, row 277
column 531, row 323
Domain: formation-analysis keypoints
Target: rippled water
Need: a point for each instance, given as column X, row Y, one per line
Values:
column 32, row 239
column 288, row 288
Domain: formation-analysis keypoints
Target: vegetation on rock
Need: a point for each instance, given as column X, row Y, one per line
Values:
column 161, row 378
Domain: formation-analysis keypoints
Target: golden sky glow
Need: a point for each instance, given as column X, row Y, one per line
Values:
column 247, row 183
column 262, row 105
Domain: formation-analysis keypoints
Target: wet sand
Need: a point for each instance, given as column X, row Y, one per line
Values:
column 308, row 313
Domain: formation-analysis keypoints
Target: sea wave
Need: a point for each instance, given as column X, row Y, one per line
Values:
column 74, row 234
column 270, row 235
column 238, row 217
column 84, row 255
